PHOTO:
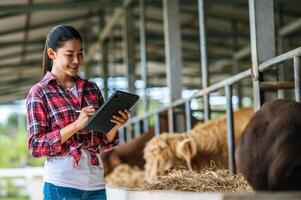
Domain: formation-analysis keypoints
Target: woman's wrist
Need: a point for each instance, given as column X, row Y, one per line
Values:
column 76, row 125
column 112, row 133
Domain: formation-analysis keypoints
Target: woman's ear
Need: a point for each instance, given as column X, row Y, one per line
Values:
column 51, row 53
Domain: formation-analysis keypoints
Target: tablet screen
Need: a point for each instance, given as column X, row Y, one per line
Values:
column 119, row 100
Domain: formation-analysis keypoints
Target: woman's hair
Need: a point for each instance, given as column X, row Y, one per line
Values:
column 55, row 40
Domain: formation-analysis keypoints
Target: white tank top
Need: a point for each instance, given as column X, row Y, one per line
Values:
column 60, row 171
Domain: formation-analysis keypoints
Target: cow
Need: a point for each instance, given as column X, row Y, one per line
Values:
column 194, row 149
column 131, row 152
column 268, row 150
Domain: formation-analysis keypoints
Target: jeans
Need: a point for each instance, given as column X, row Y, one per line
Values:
column 53, row 192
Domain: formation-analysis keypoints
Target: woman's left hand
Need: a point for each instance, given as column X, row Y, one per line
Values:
column 121, row 119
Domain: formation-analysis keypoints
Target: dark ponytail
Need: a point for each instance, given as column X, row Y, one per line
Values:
column 55, row 39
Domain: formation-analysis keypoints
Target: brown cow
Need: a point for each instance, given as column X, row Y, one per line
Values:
column 197, row 147
column 268, row 152
column 130, row 153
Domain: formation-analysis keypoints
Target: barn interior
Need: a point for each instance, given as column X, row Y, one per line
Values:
column 190, row 58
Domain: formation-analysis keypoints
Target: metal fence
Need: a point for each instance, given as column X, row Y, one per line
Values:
column 21, row 182
column 134, row 125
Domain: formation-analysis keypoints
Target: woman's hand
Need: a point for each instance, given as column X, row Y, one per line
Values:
column 78, row 124
column 84, row 116
column 121, row 119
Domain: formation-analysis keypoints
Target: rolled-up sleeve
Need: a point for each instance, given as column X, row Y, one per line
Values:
column 41, row 141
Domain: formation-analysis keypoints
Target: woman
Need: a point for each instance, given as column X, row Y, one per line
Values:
column 73, row 169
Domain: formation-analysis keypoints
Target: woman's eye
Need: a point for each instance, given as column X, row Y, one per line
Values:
column 68, row 55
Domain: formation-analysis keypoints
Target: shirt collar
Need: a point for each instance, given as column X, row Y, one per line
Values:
column 49, row 77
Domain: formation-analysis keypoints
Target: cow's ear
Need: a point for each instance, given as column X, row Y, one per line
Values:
column 186, row 149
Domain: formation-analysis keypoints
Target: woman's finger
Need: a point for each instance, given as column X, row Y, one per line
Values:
column 88, row 108
column 123, row 120
column 127, row 112
column 90, row 114
column 117, row 122
column 123, row 114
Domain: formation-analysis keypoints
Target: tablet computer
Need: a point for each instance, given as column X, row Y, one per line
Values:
column 119, row 100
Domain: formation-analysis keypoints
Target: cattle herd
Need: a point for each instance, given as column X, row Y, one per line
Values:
column 268, row 142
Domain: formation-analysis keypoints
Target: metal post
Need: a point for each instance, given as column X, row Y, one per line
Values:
column 143, row 53
column 137, row 129
column 129, row 56
column 235, row 67
column 157, row 123
column 145, row 124
column 262, row 29
column 188, row 115
column 203, row 49
column 282, row 46
column 121, row 132
column 129, row 50
column 104, row 64
column 111, row 57
column 104, row 61
column 143, row 58
column 297, row 74
column 172, row 39
column 230, row 130
column 128, row 132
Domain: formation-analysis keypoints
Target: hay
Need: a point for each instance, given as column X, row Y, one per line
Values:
column 126, row 176
column 207, row 180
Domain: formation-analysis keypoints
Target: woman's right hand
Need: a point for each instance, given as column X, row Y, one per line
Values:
column 84, row 116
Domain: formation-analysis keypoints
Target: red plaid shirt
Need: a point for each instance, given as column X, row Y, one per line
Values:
column 51, row 107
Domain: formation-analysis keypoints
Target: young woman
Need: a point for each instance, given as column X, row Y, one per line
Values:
column 73, row 169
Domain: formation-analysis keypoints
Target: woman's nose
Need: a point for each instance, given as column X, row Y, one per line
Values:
column 76, row 60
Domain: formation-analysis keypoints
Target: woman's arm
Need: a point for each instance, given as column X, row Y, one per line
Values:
column 41, row 140
column 78, row 124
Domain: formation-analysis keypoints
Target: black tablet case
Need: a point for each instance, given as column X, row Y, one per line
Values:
column 119, row 100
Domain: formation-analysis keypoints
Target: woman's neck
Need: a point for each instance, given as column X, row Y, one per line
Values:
column 64, row 79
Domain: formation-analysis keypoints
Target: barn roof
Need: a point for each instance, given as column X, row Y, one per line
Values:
column 25, row 23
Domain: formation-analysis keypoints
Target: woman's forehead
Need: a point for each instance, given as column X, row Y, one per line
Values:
column 72, row 45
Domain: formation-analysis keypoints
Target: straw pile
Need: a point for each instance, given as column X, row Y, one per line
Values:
column 207, row 180
column 126, row 176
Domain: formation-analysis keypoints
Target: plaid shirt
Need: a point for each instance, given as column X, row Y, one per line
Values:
column 51, row 107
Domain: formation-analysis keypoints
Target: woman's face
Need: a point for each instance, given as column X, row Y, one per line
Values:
column 67, row 59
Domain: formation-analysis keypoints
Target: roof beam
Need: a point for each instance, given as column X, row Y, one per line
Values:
column 18, row 53
column 290, row 28
column 24, row 8
column 16, row 65
column 44, row 24
column 26, row 32
column 4, row 44
column 103, row 35
column 8, row 99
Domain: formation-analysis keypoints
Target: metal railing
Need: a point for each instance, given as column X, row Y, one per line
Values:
column 31, row 184
column 227, row 86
